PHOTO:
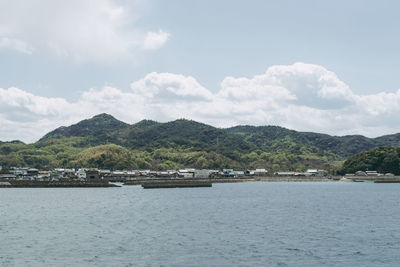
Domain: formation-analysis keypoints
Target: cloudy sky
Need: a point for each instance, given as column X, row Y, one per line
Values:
column 323, row 66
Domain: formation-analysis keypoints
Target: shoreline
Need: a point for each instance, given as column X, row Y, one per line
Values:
column 54, row 184
column 187, row 182
column 140, row 181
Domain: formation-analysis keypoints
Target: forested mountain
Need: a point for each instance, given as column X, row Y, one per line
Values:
column 382, row 159
column 104, row 141
column 97, row 128
column 278, row 138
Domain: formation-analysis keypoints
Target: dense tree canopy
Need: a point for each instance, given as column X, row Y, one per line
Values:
column 383, row 160
column 106, row 142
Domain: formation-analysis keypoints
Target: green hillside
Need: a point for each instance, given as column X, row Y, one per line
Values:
column 106, row 142
column 383, row 160
column 275, row 138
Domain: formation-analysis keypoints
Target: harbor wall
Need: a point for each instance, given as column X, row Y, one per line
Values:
column 29, row 184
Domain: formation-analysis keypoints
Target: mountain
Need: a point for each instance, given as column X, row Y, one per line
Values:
column 273, row 138
column 99, row 142
column 101, row 124
column 184, row 134
column 104, row 129
column 382, row 159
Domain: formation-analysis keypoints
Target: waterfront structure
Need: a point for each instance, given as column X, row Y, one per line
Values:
column 285, row 173
column 203, row 173
column 260, row 172
column 144, row 172
column 316, row 172
column 32, row 172
column 19, row 171
column 163, row 174
column 81, row 174
column 7, row 176
column 92, row 174
column 43, row 176
column 186, row 173
column 360, row 173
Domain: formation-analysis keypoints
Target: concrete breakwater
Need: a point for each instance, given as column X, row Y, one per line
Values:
column 41, row 184
column 142, row 180
column 387, row 181
column 375, row 179
column 175, row 184
column 294, row 179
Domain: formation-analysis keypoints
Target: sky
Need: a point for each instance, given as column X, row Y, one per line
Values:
column 323, row 66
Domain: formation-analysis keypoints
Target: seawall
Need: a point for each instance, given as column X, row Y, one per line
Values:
column 142, row 180
column 41, row 184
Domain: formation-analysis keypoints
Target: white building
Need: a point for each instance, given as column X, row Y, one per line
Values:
column 186, row 173
column 260, row 172
column 81, row 174
column 203, row 173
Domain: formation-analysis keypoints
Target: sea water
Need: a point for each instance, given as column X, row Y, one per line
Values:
column 239, row 224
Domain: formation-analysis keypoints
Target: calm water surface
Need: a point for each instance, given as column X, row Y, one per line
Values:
column 247, row 224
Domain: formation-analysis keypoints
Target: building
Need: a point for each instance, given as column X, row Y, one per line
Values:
column 19, row 171
column 239, row 173
column 316, row 172
column 186, row 173
column 285, row 173
column 373, row 173
column 104, row 172
column 44, row 176
column 144, row 173
column 203, row 173
column 32, row 172
column 163, row 174
column 173, row 173
column 8, row 176
column 260, row 172
column 92, row 174
column 360, row 173
column 81, row 174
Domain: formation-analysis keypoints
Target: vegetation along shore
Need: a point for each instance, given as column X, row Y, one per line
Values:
column 104, row 142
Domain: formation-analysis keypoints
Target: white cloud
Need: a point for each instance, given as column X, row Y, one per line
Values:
column 15, row 44
column 82, row 30
column 300, row 96
column 155, row 40
column 169, row 87
column 29, row 104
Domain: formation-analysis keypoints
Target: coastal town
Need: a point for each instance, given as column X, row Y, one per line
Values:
column 87, row 174
column 134, row 177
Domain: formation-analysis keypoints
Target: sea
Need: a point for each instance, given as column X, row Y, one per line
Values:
column 237, row 224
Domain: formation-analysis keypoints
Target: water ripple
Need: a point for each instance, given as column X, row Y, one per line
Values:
column 249, row 224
